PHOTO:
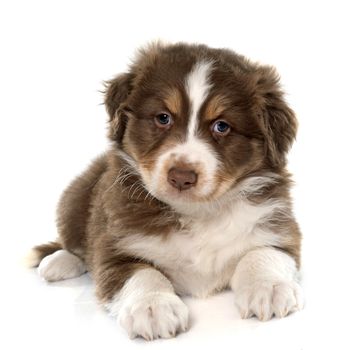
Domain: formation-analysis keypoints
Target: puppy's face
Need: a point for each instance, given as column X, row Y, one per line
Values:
column 196, row 121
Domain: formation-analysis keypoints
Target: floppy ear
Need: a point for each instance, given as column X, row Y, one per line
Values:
column 116, row 93
column 278, row 121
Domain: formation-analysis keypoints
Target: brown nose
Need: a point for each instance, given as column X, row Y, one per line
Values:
column 182, row 179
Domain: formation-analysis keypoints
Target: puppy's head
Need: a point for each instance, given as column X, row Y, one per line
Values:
column 195, row 121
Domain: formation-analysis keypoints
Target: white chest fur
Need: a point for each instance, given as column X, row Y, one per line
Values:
column 202, row 257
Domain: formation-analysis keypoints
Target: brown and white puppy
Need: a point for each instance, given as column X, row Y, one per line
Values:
column 193, row 196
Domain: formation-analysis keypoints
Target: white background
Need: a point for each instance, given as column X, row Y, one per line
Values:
column 54, row 56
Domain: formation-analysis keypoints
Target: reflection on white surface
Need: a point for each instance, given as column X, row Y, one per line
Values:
column 67, row 312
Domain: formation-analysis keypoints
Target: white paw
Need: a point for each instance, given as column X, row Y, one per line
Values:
column 61, row 265
column 154, row 315
column 265, row 299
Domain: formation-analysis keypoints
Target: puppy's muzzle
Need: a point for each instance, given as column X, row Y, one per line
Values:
column 181, row 178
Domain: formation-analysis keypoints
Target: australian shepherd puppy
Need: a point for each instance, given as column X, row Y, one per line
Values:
column 192, row 197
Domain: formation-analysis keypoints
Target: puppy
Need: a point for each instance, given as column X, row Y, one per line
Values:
column 192, row 197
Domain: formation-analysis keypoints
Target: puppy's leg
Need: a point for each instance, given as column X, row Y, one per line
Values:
column 146, row 304
column 265, row 284
column 61, row 265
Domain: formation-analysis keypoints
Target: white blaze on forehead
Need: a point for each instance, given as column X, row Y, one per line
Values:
column 197, row 87
column 195, row 151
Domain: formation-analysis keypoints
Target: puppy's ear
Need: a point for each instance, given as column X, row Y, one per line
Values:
column 116, row 92
column 278, row 121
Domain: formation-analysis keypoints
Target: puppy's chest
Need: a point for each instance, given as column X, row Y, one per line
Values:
column 202, row 256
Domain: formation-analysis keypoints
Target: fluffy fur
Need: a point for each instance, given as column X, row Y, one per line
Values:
column 191, row 198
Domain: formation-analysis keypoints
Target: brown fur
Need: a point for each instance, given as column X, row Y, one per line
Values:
column 173, row 101
column 216, row 106
column 44, row 250
column 109, row 201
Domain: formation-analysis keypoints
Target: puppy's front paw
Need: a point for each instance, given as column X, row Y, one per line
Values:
column 265, row 299
column 154, row 315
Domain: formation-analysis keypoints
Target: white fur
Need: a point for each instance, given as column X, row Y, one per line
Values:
column 197, row 88
column 148, row 307
column 32, row 259
column 266, row 283
column 194, row 151
column 129, row 160
column 255, row 184
column 61, row 265
column 201, row 257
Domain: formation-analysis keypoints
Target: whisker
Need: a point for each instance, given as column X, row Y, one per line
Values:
column 137, row 183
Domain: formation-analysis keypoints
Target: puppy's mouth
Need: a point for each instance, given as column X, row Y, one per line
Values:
column 179, row 184
column 183, row 174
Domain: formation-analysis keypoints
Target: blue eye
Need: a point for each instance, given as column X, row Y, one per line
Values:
column 221, row 127
column 163, row 120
